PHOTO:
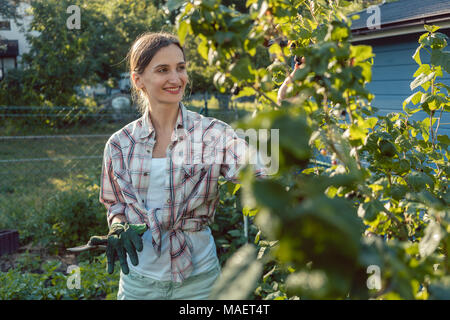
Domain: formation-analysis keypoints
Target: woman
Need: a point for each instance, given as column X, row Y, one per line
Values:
column 162, row 170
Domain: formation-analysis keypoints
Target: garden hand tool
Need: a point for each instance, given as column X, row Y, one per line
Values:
column 122, row 238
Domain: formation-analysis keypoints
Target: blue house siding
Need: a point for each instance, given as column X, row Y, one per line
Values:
column 393, row 71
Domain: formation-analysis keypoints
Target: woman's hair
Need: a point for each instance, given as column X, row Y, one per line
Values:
column 141, row 53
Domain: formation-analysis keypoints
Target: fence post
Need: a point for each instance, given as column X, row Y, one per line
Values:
column 205, row 108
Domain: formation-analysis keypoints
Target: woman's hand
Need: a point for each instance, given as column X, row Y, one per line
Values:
column 122, row 239
column 284, row 86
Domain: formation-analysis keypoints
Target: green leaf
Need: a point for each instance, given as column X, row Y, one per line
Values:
column 203, row 48
column 294, row 136
column 398, row 192
column 300, row 74
column 416, row 55
column 441, row 58
column 369, row 123
column 173, row 5
column 208, row 4
column 366, row 70
column 431, row 29
column 387, row 148
column 250, row 47
column 414, row 98
column 239, row 276
column 361, row 52
column 403, row 166
column 235, row 233
column 435, row 102
column 320, row 227
column 403, row 143
column 444, row 139
column 431, row 239
column 223, row 37
column 183, row 30
column 236, row 188
column 424, row 68
column 246, row 211
column 422, row 37
column 275, row 49
column 357, row 133
column 242, row 69
column 369, row 210
column 339, row 33
column 245, row 92
column 419, row 181
column 271, row 194
column 438, row 41
column 421, row 80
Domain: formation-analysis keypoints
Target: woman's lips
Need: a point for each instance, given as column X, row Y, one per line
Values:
column 175, row 90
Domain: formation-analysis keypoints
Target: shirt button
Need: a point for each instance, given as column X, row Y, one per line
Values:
column 148, row 150
column 145, row 173
column 169, row 201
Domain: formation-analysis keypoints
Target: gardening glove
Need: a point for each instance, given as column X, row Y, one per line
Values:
column 122, row 238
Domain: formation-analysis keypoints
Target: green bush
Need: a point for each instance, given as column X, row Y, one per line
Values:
column 72, row 217
column 384, row 200
column 53, row 283
column 228, row 230
column 67, row 219
column 228, row 227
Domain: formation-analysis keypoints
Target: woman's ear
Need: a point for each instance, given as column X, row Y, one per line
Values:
column 137, row 80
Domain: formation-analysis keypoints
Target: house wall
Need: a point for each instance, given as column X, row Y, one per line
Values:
column 393, row 71
column 18, row 33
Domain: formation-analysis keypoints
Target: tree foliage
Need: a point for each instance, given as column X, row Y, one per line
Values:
column 383, row 202
column 8, row 8
column 62, row 59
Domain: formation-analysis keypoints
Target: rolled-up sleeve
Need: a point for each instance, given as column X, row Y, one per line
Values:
column 110, row 195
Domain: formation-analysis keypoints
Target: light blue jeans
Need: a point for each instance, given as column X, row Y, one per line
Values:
column 138, row 287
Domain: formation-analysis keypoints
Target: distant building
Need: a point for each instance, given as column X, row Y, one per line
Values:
column 394, row 43
column 13, row 39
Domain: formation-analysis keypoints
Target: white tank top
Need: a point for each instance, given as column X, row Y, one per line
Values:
column 204, row 255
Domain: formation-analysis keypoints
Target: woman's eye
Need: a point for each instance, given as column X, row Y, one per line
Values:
column 181, row 68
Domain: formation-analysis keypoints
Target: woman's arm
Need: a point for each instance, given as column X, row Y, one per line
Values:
column 110, row 195
column 282, row 90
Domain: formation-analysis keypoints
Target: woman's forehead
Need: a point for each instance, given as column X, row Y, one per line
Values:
column 170, row 55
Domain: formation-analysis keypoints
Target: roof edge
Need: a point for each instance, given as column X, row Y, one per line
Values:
column 397, row 31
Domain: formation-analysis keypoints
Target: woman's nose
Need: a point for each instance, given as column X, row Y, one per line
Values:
column 174, row 76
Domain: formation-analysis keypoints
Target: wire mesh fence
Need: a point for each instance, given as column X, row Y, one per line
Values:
column 42, row 148
column 33, row 169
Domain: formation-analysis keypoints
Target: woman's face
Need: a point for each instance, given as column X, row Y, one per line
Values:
column 165, row 77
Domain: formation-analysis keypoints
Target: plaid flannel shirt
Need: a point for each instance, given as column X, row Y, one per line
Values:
column 201, row 150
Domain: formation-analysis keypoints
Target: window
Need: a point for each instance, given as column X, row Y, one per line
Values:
column 5, row 25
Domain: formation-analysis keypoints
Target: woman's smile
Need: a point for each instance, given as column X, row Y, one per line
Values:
column 173, row 90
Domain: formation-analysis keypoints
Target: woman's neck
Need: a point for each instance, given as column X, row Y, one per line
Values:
column 163, row 117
